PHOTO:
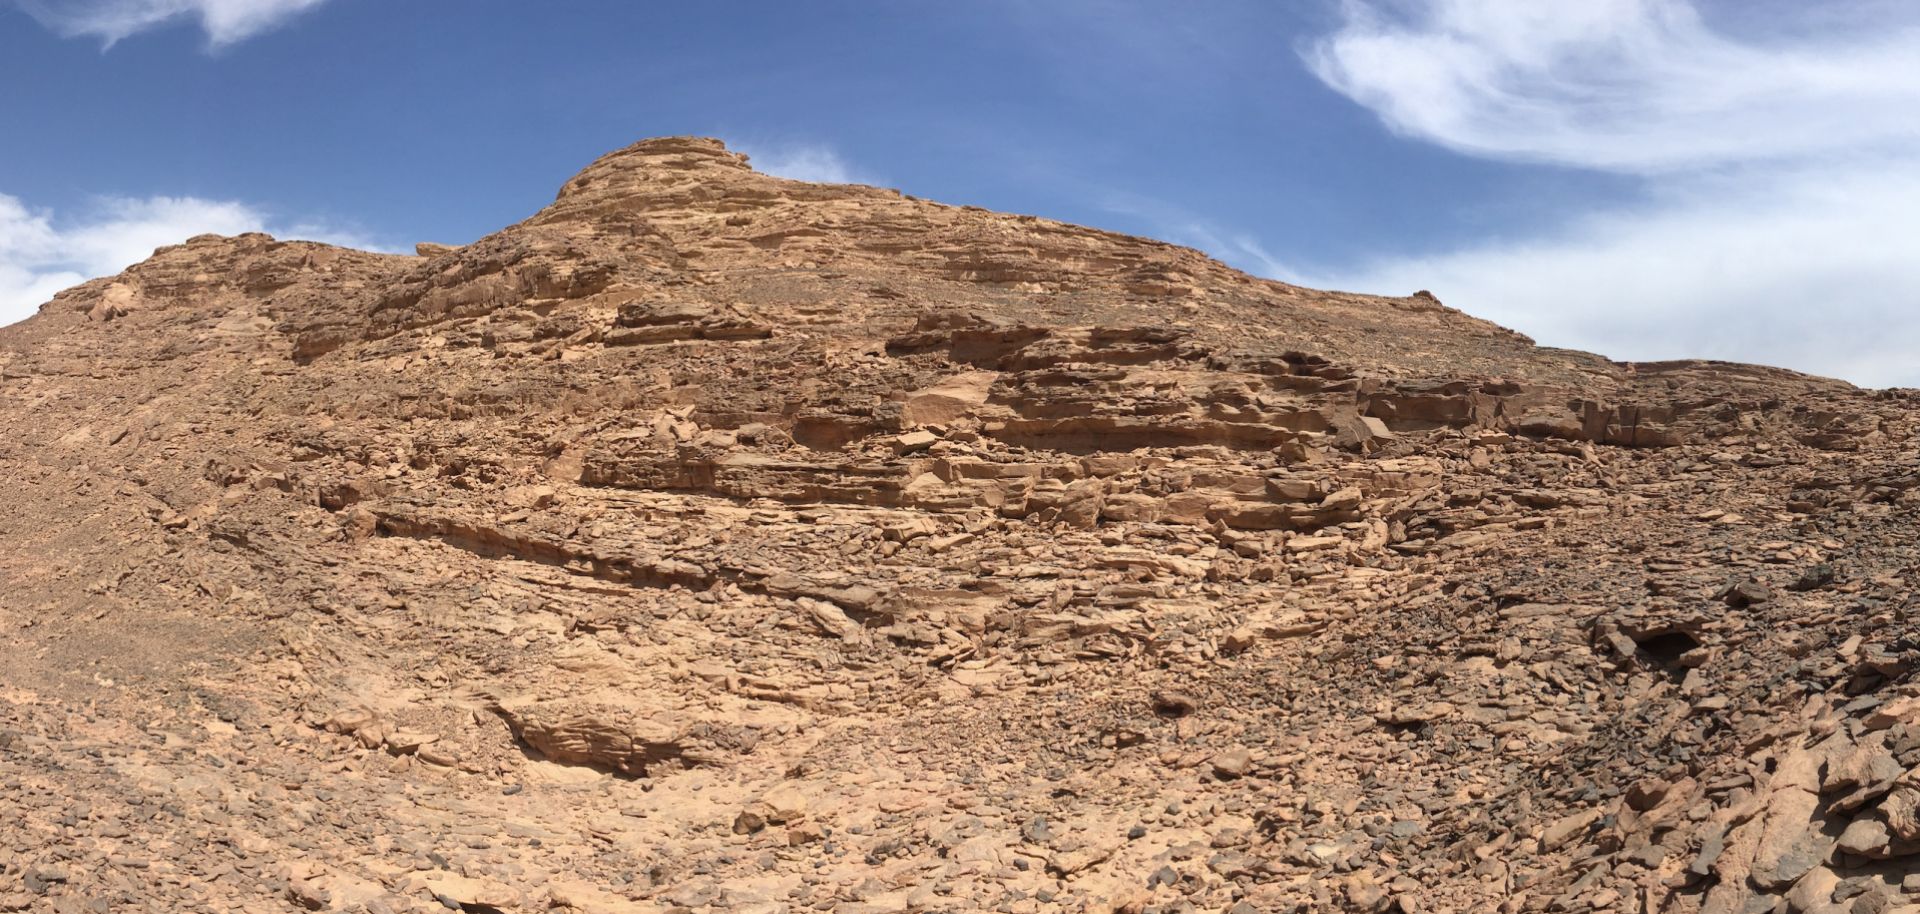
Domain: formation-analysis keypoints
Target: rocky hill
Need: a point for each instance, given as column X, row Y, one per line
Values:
column 716, row 542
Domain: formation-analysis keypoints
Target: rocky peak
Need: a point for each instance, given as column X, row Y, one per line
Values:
column 652, row 174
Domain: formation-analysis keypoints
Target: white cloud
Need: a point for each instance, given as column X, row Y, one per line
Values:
column 1783, row 189
column 41, row 254
column 804, row 162
column 225, row 21
column 1624, row 85
column 1808, row 269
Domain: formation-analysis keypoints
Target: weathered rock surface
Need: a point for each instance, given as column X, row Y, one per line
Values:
column 716, row 542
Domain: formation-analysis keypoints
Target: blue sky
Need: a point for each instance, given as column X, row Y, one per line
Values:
column 1645, row 178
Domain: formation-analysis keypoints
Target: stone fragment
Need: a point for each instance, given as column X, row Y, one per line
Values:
column 914, row 441
column 1232, row 763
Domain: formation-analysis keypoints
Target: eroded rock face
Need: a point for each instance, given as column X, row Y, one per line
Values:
column 716, row 542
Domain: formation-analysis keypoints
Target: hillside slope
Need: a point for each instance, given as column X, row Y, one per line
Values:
column 711, row 541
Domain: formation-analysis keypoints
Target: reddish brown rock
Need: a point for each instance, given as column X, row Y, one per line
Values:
column 713, row 541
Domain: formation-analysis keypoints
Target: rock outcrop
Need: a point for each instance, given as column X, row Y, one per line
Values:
column 716, row 542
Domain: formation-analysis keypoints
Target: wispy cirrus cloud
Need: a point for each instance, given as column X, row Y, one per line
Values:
column 42, row 253
column 1783, row 185
column 1171, row 222
column 805, row 162
column 1621, row 85
column 225, row 22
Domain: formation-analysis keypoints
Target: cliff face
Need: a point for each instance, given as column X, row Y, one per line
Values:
column 714, row 541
